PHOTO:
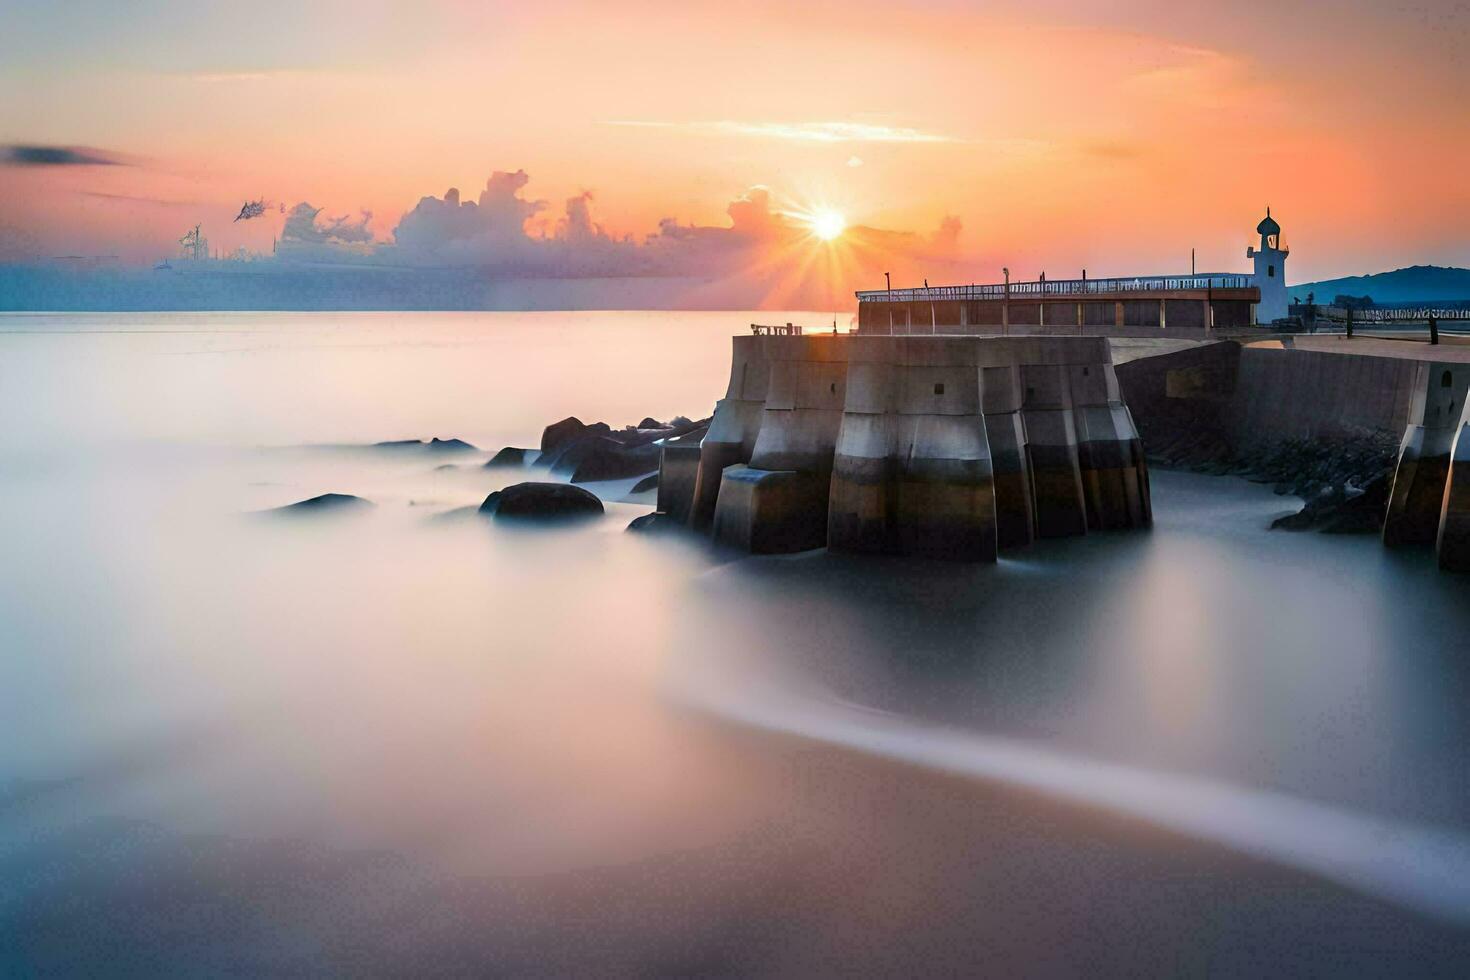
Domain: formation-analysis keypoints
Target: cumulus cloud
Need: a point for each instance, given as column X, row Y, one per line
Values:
column 302, row 227
column 460, row 230
column 766, row 255
column 35, row 155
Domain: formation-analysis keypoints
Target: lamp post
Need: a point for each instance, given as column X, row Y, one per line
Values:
column 888, row 280
column 1005, row 303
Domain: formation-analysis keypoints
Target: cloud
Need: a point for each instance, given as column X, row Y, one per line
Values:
column 489, row 229
column 302, row 228
column 139, row 199
column 35, row 155
column 808, row 132
column 765, row 256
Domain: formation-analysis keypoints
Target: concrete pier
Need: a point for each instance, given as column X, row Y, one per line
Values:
column 940, row 446
column 779, row 501
column 912, row 472
column 1452, row 544
column 770, row 511
column 1109, row 452
column 1418, row 494
column 678, row 476
column 1051, row 451
column 737, row 422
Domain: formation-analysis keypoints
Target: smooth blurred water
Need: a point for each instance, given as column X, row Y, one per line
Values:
column 410, row 740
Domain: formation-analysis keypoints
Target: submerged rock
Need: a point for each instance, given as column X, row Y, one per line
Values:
column 649, row 482
column 1342, row 508
column 434, row 445
column 325, row 503
column 450, row 446
column 509, row 456
column 542, row 501
column 658, row 523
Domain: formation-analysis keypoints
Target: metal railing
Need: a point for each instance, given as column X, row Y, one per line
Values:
column 1052, row 287
column 1381, row 314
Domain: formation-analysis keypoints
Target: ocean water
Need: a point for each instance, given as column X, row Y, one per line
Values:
column 407, row 740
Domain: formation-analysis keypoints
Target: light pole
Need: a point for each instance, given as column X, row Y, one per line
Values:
column 888, row 280
column 1005, row 304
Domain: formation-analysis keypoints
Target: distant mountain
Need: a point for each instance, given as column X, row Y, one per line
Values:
column 1414, row 284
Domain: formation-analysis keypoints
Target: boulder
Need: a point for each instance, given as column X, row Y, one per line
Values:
column 450, row 446
column 606, row 459
column 658, row 523
column 649, row 482
column 564, row 461
column 650, row 422
column 325, row 503
column 433, row 445
column 541, row 501
column 509, row 456
column 558, row 435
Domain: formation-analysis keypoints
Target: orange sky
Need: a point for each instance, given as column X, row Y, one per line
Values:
column 1062, row 136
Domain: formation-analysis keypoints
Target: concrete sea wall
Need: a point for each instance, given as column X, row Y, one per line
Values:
column 1242, row 403
column 937, row 446
column 1452, row 542
column 1419, row 480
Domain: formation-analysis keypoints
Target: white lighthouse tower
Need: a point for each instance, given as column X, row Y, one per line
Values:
column 1270, row 274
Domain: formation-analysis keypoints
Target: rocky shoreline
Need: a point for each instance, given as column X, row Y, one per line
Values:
column 1344, row 484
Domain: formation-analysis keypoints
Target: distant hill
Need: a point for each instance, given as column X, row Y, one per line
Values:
column 1414, row 284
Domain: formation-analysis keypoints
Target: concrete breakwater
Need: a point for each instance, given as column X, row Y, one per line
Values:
column 941, row 446
column 1320, row 416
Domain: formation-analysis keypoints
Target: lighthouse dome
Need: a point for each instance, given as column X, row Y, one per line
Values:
column 1268, row 225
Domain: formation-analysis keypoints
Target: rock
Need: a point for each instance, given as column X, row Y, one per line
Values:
column 606, row 459
column 450, row 446
column 564, row 461
column 657, row 523
column 561, row 434
column 649, row 422
column 649, row 482
column 541, row 501
column 509, row 456
column 434, row 445
column 325, row 503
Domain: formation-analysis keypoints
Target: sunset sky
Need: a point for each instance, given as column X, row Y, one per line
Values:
column 1061, row 135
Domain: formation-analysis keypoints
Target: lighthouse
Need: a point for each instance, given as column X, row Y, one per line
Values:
column 1270, row 272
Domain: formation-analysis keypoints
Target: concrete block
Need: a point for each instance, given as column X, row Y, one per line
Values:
column 1015, row 518
column 770, row 511
column 1414, row 503
column 678, row 473
column 1452, row 541
column 1114, row 473
column 1417, row 498
column 730, row 440
column 946, row 492
column 1056, row 476
column 862, row 501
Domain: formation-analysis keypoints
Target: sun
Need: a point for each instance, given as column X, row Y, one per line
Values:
column 827, row 225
